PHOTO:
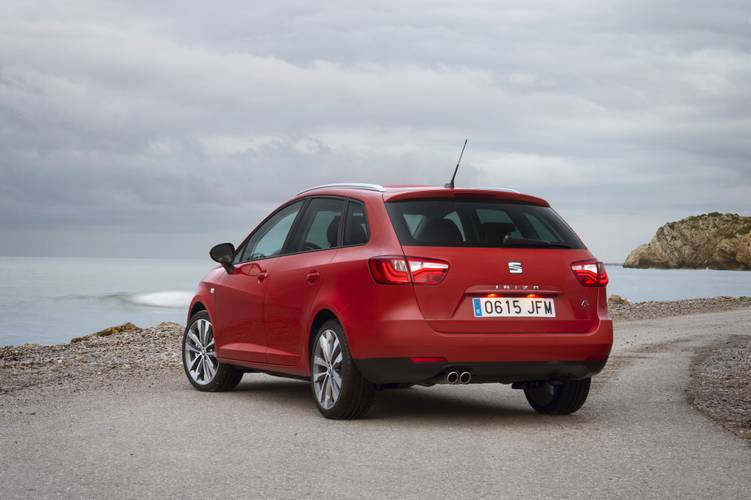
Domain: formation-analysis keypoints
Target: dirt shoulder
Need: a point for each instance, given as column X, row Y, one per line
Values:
column 721, row 384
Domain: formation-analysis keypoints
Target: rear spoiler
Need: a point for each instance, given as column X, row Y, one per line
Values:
column 492, row 194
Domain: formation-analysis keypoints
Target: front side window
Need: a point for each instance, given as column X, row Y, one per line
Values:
column 479, row 223
column 268, row 240
column 319, row 228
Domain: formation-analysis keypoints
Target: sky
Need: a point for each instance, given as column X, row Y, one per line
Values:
column 156, row 129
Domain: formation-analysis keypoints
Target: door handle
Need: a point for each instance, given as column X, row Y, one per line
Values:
column 262, row 276
column 312, row 276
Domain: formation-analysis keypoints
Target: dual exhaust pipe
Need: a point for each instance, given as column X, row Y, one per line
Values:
column 455, row 377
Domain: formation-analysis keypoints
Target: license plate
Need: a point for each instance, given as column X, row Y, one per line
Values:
column 521, row 307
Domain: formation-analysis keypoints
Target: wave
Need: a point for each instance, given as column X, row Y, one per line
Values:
column 171, row 299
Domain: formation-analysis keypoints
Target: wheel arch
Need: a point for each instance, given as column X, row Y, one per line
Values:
column 196, row 308
column 322, row 316
column 201, row 302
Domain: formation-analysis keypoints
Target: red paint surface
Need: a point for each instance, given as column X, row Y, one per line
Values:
column 263, row 311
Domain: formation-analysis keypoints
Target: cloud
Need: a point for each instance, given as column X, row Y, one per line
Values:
column 185, row 118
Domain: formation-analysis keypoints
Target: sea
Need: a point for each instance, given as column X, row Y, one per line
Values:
column 49, row 300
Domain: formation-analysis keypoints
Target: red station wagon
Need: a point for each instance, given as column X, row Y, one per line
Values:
column 360, row 287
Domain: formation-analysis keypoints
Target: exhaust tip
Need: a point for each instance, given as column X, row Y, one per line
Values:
column 452, row 377
column 465, row 377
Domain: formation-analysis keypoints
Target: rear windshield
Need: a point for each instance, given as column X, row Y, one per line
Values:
column 479, row 223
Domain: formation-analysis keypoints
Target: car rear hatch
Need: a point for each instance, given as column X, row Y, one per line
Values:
column 496, row 249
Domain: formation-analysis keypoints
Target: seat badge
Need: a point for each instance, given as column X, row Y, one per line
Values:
column 515, row 267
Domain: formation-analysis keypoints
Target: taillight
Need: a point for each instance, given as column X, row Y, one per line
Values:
column 427, row 271
column 392, row 270
column 389, row 270
column 590, row 272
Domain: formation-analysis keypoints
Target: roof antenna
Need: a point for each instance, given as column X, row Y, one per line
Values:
column 450, row 185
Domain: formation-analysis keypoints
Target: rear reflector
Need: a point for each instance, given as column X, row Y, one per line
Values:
column 393, row 270
column 428, row 360
column 590, row 272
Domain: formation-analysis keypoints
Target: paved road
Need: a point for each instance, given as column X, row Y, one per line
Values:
column 635, row 437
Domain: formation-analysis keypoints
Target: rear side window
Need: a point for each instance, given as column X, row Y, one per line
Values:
column 319, row 229
column 356, row 231
column 479, row 223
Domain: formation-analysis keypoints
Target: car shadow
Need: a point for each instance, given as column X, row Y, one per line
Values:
column 425, row 403
column 416, row 405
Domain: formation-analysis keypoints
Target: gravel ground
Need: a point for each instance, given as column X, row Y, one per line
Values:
column 721, row 384
column 627, row 311
column 107, row 358
column 113, row 356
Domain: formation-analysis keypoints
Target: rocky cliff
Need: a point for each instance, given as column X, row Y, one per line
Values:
column 715, row 241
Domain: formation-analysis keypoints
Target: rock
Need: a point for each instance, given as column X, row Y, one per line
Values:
column 616, row 299
column 125, row 327
column 743, row 256
column 170, row 326
column 715, row 241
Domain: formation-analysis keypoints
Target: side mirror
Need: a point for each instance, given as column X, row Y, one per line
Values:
column 224, row 254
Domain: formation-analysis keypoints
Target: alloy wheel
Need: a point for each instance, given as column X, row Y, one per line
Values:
column 327, row 365
column 200, row 352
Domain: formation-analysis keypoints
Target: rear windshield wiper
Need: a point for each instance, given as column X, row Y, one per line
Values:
column 527, row 243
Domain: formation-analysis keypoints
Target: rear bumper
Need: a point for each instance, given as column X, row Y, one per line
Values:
column 382, row 353
column 402, row 370
column 407, row 338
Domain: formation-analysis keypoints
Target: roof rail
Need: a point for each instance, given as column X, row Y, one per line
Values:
column 347, row 185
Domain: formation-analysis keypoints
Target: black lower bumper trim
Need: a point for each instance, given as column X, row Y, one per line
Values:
column 404, row 371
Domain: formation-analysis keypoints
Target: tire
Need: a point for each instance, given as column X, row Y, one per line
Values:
column 334, row 368
column 201, row 366
column 559, row 399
